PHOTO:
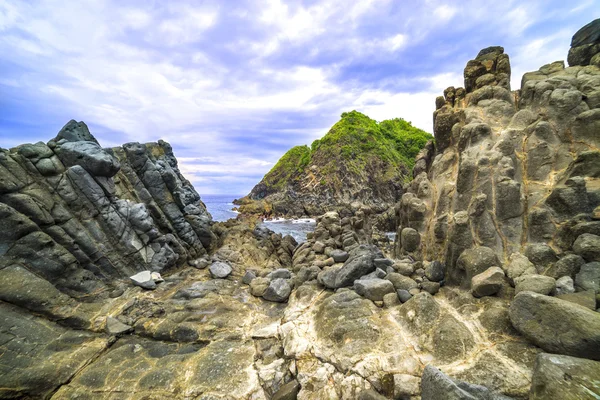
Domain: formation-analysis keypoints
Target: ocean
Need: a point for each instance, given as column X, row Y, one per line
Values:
column 220, row 205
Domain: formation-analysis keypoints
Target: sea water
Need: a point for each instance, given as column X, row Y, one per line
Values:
column 220, row 207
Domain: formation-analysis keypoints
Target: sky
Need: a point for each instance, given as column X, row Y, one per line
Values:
column 233, row 84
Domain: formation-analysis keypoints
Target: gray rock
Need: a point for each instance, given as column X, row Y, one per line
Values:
column 585, row 299
column 517, row 266
column 288, row 391
column 588, row 277
column 280, row 273
column 431, row 287
column 564, row 285
column 359, row 263
column 435, row 385
column 564, row 377
column 588, row 247
column 116, row 327
column 435, row 271
column 249, row 276
column 278, row 291
column 220, row 270
column 377, row 274
column 404, row 268
column 319, row 247
column 339, row 256
column 476, row 260
column 401, row 281
column 200, row 263
column 258, row 286
column 370, row 394
column 556, row 325
column 535, row 283
column 541, row 255
column 307, row 274
column 391, row 300
column 90, row 156
column 373, row 289
column 488, row 282
column 383, row 263
column 568, row 265
column 144, row 280
column 410, row 239
column 403, row 295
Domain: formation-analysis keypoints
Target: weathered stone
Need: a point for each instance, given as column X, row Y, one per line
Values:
column 248, row 277
column 488, row 282
column 430, row 287
column 517, row 266
column 410, row 239
column 360, row 263
column 391, row 300
column 144, row 280
column 116, row 327
column 404, row 268
column 258, row 286
column 282, row 273
column 585, row 299
column 403, row 295
column 476, row 260
column 435, row 385
column 383, row 263
column 564, row 285
column 557, row 325
column 278, row 290
column 289, row 391
column 220, row 270
column 588, row 277
column 339, row 256
column 401, row 282
column 588, row 246
column 435, row 271
column 535, row 283
column 373, row 289
column 564, row 377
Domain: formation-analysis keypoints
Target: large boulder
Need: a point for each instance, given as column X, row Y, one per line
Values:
column 278, row 290
column 373, row 289
column 564, row 377
column 360, row 263
column 89, row 155
column 588, row 277
column 557, row 325
column 588, row 247
column 435, row 385
column 476, row 260
column 535, row 283
column 488, row 282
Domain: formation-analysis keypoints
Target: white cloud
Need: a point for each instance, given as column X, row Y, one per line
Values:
column 445, row 12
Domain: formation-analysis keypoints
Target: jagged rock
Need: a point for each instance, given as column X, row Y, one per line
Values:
column 488, row 282
column 586, row 299
column 370, row 394
column 585, row 44
column 435, row 385
column 90, row 156
column 377, row 274
column 116, row 327
column 278, row 290
column 144, row 280
column 588, row 246
column 564, row 285
column 588, row 277
column 258, row 286
column 220, row 270
column 535, row 283
column 541, row 255
column 477, row 260
column 519, row 265
column 327, row 277
column 373, row 289
column 435, row 271
column 289, row 391
column 564, row 377
column 358, row 264
column 557, row 325
column 248, row 277
column 280, row 273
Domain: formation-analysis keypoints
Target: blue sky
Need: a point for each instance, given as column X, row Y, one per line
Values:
column 233, row 84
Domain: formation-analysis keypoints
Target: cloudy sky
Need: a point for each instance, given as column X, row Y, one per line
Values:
column 232, row 84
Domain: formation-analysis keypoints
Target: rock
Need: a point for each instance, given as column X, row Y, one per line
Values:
column 406, row 386
column 220, row 270
column 588, row 277
column 431, row 287
column 476, row 260
column 377, row 274
column 116, row 327
column 584, row 45
column 568, row 265
column 278, row 291
column 339, row 256
column 403, row 295
column 391, row 300
column 435, row 271
column 518, row 265
column 585, row 299
column 382, row 263
column 319, row 247
column 200, row 263
column 259, row 286
column 404, row 268
column 435, row 385
column 488, row 282
column 410, row 239
column 307, row 274
column 564, row 377
column 535, row 283
column 144, row 280
column 370, row 394
column 156, row 277
column 564, row 285
column 541, row 255
column 401, row 281
column 288, row 391
column 249, row 276
column 588, row 247
column 89, row 155
column 373, row 289
column 282, row 273
column 327, row 277
column 359, row 263
column 556, row 325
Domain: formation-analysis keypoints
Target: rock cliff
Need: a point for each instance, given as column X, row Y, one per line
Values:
column 359, row 162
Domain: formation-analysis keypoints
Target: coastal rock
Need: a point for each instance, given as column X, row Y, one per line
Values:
column 220, row 270
column 564, row 377
column 436, row 385
column 488, row 282
column 535, row 283
column 359, row 263
column 278, row 290
column 373, row 289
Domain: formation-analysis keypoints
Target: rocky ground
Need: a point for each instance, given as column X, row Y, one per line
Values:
column 116, row 284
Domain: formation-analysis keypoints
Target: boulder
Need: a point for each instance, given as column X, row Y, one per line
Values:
column 359, row 263
column 568, row 265
column 564, row 285
column 517, row 266
column 404, row 268
column 430, row 287
column 586, row 299
column 564, row 377
column 435, row 271
column 401, row 281
column 288, row 391
column 339, row 256
column 377, row 274
column 89, row 155
column 248, row 276
column 278, row 291
column 556, row 325
column 144, row 280
column 535, row 283
column 588, row 277
column 280, row 273
column 258, row 286
column 403, row 295
column 373, row 289
column 488, row 282
column 435, row 385
column 327, row 277
column 116, row 327
column 588, row 247
column 476, row 260
column 410, row 239
column 220, row 270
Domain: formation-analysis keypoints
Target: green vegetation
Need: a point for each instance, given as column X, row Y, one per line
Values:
column 357, row 144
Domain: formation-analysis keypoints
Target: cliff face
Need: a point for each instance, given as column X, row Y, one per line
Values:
column 516, row 172
column 359, row 162
column 80, row 216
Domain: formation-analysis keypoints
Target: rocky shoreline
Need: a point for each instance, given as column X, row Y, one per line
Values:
column 115, row 283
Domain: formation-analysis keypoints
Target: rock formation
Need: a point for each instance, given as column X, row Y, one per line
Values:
column 358, row 163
